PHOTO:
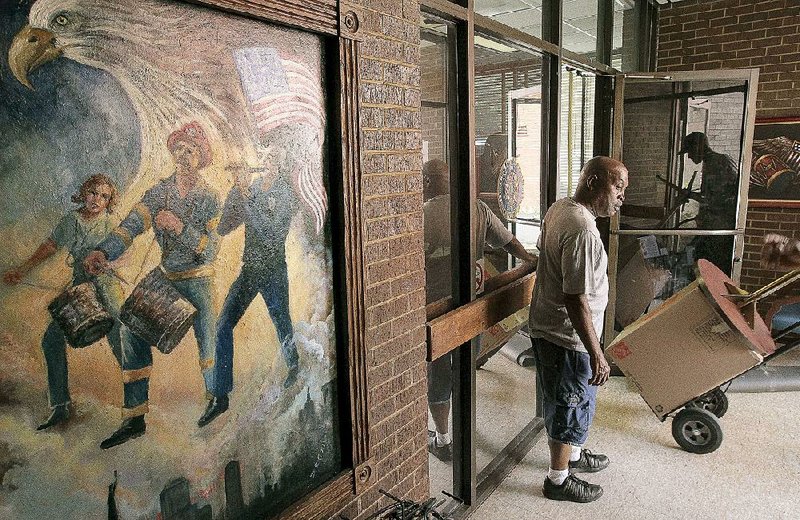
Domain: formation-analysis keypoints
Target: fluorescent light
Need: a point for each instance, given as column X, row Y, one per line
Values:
column 491, row 44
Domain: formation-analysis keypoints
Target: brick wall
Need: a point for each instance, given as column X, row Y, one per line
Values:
column 434, row 119
column 727, row 34
column 393, row 252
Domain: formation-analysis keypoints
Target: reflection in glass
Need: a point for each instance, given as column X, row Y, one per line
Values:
column 625, row 40
column 436, row 75
column 650, row 269
column 434, row 80
column 508, row 162
column 524, row 15
column 505, row 79
column 579, row 26
column 577, row 128
column 683, row 148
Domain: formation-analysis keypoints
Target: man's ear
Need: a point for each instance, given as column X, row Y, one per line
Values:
column 590, row 180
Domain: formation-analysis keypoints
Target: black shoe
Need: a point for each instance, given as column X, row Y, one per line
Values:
column 291, row 378
column 60, row 414
column 572, row 489
column 216, row 407
column 129, row 429
column 588, row 463
column 443, row 453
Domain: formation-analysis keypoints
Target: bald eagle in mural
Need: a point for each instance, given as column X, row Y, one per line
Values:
column 176, row 65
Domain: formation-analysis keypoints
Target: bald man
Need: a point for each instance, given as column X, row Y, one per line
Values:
column 566, row 323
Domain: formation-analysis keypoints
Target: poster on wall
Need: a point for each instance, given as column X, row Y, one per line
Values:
column 775, row 169
column 167, row 336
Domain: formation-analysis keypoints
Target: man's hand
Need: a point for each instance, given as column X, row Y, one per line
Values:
column 780, row 252
column 167, row 220
column 600, row 370
column 242, row 176
column 95, row 263
column 13, row 276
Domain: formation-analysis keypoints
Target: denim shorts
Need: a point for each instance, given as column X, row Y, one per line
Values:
column 567, row 397
column 440, row 375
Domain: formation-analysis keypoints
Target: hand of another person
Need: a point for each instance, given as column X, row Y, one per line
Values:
column 13, row 276
column 780, row 252
column 95, row 263
column 600, row 370
column 168, row 221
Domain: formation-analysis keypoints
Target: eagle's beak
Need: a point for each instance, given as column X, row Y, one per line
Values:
column 31, row 48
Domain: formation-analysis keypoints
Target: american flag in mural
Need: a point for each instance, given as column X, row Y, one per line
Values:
column 279, row 92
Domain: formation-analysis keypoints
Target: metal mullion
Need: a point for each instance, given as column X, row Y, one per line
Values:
column 680, row 232
column 462, row 203
column 613, row 239
column 605, row 30
column 551, row 102
column 603, row 109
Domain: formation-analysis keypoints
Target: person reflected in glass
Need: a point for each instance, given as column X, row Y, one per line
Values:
column 719, row 188
column 490, row 230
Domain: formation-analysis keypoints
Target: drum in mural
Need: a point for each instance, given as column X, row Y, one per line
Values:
column 156, row 312
column 81, row 315
column 510, row 188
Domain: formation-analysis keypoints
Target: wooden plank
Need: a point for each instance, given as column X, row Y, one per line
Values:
column 440, row 307
column 460, row 325
column 320, row 16
column 324, row 502
column 359, row 412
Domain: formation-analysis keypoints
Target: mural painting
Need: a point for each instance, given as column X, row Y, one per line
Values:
column 167, row 336
column 775, row 171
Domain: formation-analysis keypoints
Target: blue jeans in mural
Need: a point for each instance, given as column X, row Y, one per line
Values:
column 137, row 358
column 272, row 282
column 54, row 347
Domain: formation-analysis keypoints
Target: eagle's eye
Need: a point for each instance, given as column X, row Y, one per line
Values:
column 62, row 20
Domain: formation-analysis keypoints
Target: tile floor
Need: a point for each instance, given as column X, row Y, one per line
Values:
column 754, row 474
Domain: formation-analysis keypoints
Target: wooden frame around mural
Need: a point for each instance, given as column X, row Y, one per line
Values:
column 773, row 182
column 338, row 23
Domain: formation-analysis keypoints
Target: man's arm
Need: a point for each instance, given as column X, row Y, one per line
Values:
column 780, row 252
column 581, row 317
column 139, row 220
column 516, row 249
column 233, row 211
column 14, row 275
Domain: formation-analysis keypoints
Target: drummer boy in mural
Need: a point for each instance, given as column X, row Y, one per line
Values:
column 184, row 213
column 79, row 232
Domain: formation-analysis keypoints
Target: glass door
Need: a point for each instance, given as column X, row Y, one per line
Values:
column 686, row 139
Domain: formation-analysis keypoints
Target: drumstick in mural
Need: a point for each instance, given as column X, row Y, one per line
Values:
column 266, row 210
column 184, row 213
column 89, row 300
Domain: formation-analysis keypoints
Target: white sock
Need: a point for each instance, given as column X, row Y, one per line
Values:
column 557, row 476
column 576, row 453
column 443, row 438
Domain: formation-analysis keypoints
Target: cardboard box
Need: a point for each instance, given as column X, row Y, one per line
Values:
column 640, row 283
column 681, row 350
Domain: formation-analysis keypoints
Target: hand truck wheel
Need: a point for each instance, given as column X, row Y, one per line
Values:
column 697, row 430
column 714, row 401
